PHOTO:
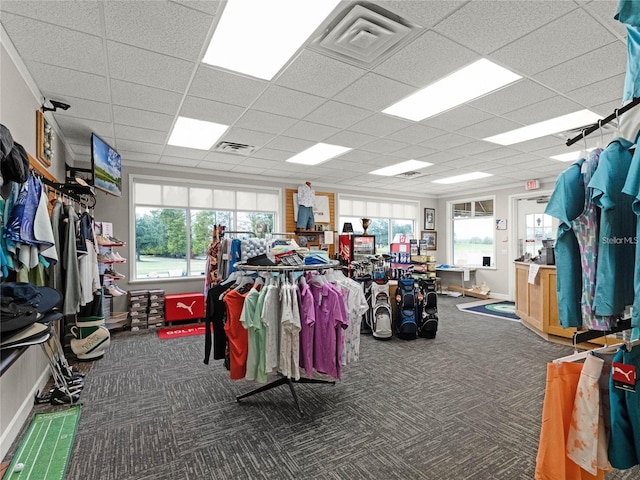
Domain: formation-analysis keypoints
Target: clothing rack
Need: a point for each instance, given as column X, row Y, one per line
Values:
column 282, row 380
column 600, row 123
column 585, row 336
column 79, row 193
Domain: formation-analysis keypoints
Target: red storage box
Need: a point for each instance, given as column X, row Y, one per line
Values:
column 183, row 306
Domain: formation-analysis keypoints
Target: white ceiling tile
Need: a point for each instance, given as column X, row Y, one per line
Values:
column 183, row 152
column 446, row 141
column 350, row 139
column 212, row 7
column 488, row 25
column 311, row 131
column 225, row 87
column 81, row 108
column 414, row 152
column 81, row 149
column 457, row 118
column 249, row 170
column 380, row 124
column 81, row 16
column 416, row 133
column 271, row 154
column 318, row 74
column 215, row 166
column 425, row 60
column 440, row 157
column 356, row 157
column 73, row 49
column 145, row 98
column 210, row 111
column 264, row 122
column 517, row 95
column 148, row 68
column 140, row 134
column 141, row 147
column 550, row 108
column 143, row 118
column 338, row 114
column 58, row 80
column 425, row 13
column 179, row 161
column 219, row 158
column 290, row 144
column 383, row 145
column 576, row 32
column 607, row 108
column 374, row 92
column 610, row 59
column 603, row 11
column 495, row 154
column 80, row 130
column 162, row 27
column 487, row 128
column 516, row 159
column 472, row 148
column 138, row 157
column 539, row 143
column 261, row 163
column 462, row 163
column 608, row 89
column 287, row 102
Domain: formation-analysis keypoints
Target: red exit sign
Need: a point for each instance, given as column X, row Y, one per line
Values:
column 532, row 185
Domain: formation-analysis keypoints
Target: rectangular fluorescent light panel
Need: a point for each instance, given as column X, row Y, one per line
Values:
column 547, row 127
column 466, row 84
column 198, row 134
column 258, row 37
column 320, row 152
column 463, row 178
column 571, row 156
column 399, row 168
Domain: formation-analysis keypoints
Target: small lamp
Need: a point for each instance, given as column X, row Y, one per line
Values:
column 347, row 228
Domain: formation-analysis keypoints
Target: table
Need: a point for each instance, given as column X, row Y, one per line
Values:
column 461, row 271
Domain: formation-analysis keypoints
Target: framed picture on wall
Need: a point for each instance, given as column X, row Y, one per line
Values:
column 44, row 140
column 429, row 218
column 431, row 238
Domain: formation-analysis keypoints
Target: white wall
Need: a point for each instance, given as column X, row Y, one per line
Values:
column 18, row 384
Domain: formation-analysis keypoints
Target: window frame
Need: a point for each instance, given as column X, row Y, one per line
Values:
column 188, row 183
column 451, row 223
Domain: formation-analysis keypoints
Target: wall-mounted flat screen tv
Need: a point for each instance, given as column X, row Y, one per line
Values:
column 107, row 169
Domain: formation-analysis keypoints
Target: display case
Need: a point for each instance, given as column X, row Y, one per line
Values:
column 354, row 247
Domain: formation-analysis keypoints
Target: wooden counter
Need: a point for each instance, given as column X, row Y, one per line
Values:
column 537, row 306
column 537, row 303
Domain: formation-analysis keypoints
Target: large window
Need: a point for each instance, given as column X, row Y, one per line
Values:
column 174, row 223
column 473, row 228
column 389, row 219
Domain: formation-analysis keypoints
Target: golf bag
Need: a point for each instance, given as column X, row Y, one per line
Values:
column 406, row 325
column 381, row 317
column 91, row 337
column 367, row 318
column 427, row 317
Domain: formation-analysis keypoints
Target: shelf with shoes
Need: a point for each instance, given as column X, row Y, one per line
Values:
column 108, row 258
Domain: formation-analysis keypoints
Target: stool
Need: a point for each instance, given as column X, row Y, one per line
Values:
column 438, row 285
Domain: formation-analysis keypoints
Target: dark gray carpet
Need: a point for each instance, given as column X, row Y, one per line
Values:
column 466, row 405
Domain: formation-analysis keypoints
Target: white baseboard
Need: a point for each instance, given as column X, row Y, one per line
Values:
column 13, row 429
column 500, row 296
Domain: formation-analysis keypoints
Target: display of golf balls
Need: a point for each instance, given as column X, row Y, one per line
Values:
column 252, row 247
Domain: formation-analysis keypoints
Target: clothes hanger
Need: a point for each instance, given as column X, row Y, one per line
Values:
column 576, row 356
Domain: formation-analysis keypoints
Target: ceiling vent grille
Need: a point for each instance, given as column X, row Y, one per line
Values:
column 364, row 35
column 235, row 148
column 410, row 174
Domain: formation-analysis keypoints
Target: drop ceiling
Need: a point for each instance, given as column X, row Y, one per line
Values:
column 129, row 69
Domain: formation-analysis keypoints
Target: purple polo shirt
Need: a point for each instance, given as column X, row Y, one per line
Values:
column 307, row 321
column 331, row 319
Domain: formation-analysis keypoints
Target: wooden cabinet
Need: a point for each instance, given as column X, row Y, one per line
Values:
column 537, row 303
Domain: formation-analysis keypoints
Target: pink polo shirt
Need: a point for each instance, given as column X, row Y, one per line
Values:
column 331, row 319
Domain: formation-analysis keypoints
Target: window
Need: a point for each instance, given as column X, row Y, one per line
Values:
column 389, row 219
column 538, row 227
column 174, row 222
column 473, row 230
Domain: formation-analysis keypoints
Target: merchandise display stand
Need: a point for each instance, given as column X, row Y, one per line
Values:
column 282, row 380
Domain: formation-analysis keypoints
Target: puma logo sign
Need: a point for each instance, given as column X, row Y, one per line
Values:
column 190, row 307
column 626, row 374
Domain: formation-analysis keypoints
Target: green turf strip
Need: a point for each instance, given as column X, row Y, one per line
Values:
column 46, row 447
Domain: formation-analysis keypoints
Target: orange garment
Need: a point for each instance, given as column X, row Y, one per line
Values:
column 237, row 334
column 552, row 462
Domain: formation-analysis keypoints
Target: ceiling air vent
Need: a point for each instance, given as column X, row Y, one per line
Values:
column 236, row 148
column 410, row 174
column 364, row 35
